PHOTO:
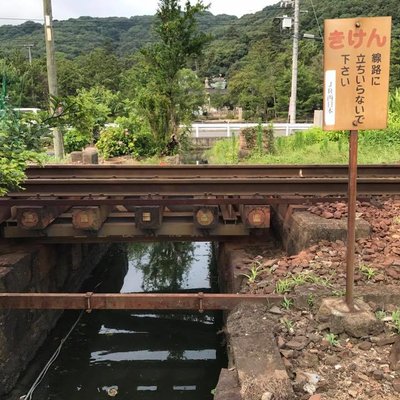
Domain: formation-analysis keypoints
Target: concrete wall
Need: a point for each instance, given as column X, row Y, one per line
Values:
column 41, row 268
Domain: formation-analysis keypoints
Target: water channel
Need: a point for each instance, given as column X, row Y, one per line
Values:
column 140, row 356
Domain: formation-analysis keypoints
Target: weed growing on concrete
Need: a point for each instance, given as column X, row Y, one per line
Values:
column 332, row 339
column 367, row 271
column 396, row 320
column 287, row 303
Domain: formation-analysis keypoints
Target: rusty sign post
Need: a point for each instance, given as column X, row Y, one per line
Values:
column 356, row 89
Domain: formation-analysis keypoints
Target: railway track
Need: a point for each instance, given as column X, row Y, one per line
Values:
column 70, row 181
column 206, row 171
column 206, row 187
column 68, row 202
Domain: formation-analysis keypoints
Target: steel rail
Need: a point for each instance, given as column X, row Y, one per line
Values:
column 205, row 187
column 204, row 171
column 151, row 301
column 170, row 201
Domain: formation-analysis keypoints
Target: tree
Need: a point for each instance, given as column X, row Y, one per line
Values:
column 20, row 141
column 253, row 84
column 164, row 265
column 85, row 114
column 166, row 93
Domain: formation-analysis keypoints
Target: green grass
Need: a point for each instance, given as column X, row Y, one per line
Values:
column 332, row 339
column 286, row 285
column 287, row 303
column 316, row 147
column 254, row 273
column 396, row 320
column 367, row 271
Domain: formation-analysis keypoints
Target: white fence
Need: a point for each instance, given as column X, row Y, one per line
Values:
column 230, row 129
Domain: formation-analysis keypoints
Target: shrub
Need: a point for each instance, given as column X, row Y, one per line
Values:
column 144, row 145
column 75, row 140
column 117, row 141
column 20, row 143
column 224, row 151
column 114, row 142
column 259, row 139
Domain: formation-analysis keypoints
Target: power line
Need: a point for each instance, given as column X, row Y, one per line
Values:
column 317, row 20
column 19, row 19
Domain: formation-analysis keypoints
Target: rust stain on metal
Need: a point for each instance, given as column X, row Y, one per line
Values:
column 351, row 219
column 100, row 301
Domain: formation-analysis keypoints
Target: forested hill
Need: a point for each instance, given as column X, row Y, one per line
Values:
column 81, row 35
column 126, row 35
column 253, row 52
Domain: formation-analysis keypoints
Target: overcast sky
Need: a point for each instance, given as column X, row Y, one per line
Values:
column 64, row 9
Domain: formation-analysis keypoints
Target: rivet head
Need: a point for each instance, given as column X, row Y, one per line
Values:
column 358, row 24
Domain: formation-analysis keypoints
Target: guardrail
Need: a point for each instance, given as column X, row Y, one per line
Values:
column 230, row 129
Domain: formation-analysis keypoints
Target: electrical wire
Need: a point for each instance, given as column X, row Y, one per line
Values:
column 316, row 19
column 55, row 355
column 125, row 20
column 52, row 359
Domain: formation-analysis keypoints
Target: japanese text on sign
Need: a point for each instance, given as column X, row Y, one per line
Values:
column 357, row 60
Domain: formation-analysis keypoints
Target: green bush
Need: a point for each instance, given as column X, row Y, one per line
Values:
column 224, row 151
column 114, row 142
column 117, row 141
column 20, row 143
column 144, row 145
column 75, row 140
column 259, row 139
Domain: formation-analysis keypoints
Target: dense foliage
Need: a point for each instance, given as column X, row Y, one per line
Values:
column 21, row 141
column 166, row 93
column 98, row 58
column 316, row 146
column 253, row 49
column 117, row 141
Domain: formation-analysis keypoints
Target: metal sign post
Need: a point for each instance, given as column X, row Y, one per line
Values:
column 356, row 89
column 351, row 218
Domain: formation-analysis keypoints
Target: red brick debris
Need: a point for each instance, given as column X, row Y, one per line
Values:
column 377, row 257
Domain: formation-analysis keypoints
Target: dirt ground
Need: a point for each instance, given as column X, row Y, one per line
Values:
column 321, row 364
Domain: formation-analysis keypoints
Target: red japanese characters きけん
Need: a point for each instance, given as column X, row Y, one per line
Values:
column 355, row 39
column 356, row 63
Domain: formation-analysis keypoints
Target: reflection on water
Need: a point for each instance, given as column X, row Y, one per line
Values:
column 167, row 267
column 137, row 356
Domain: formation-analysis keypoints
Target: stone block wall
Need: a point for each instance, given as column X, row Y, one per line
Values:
column 40, row 268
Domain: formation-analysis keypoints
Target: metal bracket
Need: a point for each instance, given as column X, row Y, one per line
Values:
column 201, row 298
column 88, row 297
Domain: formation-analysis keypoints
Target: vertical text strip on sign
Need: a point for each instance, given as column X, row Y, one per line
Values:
column 356, row 64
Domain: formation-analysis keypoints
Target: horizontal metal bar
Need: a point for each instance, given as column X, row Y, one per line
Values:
column 204, row 187
column 59, row 171
column 101, row 301
column 115, row 231
column 183, row 201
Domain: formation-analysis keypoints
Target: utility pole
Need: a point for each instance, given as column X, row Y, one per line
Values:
column 29, row 47
column 52, row 73
column 293, row 95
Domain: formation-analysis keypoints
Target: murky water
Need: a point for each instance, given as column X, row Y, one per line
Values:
column 137, row 356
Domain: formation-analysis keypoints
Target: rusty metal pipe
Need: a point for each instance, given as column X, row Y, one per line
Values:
column 152, row 301
column 351, row 219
